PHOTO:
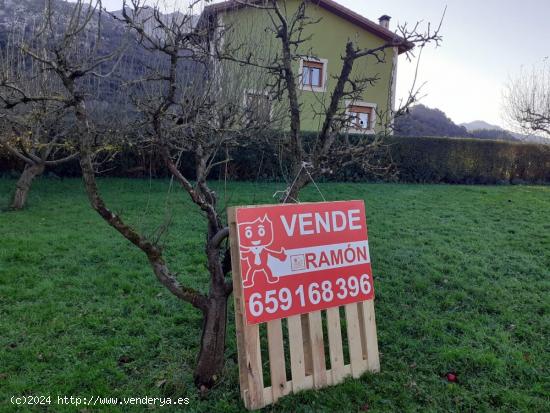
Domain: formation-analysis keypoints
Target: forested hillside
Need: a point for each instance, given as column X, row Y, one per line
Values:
column 424, row 121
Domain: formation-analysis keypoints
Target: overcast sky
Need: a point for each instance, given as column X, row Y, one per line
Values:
column 484, row 43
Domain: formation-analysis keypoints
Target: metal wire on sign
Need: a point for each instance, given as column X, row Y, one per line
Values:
column 305, row 166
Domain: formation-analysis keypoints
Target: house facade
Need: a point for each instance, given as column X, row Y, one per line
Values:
column 249, row 31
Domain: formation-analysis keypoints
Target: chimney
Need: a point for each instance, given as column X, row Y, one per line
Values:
column 384, row 21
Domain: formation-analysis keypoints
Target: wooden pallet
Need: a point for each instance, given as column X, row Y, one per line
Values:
column 306, row 345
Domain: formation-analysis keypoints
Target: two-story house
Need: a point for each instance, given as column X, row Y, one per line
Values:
column 330, row 26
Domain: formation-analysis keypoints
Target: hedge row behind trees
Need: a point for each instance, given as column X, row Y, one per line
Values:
column 470, row 161
column 423, row 160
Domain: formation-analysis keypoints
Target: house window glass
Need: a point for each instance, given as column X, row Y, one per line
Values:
column 363, row 120
column 361, row 117
column 312, row 73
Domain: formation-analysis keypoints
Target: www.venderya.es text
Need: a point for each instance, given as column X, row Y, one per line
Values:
column 98, row 401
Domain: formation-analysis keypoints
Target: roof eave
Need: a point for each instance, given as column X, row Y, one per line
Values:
column 333, row 7
column 405, row 47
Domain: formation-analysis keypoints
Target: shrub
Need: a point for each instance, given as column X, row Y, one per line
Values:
column 426, row 160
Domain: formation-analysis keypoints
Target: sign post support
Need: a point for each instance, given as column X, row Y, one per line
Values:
column 301, row 262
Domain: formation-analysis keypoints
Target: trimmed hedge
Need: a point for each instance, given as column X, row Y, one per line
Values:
column 421, row 160
column 467, row 161
column 426, row 160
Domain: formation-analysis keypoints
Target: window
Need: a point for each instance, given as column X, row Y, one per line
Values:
column 258, row 107
column 314, row 74
column 362, row 116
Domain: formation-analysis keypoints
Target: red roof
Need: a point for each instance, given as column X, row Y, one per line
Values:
column 330, row 6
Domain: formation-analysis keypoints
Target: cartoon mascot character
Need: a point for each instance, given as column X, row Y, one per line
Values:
column 254, row 238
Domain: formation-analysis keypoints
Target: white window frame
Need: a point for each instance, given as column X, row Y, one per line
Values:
column 309, row 88
column 257, row 92
column 373, row 119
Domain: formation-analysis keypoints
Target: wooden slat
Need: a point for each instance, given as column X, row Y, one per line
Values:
column 363, row 334
column 276, row 351
column 268, row 396
column 354, row 340
column 306, row 343
column 255, row 394
column 237, row 296
column 268, row 393
column 243, row 379
column 370, row 338
column 335, row 345
column 317, row 350
column 346, row 372
column 248, row 336
column 296, row 349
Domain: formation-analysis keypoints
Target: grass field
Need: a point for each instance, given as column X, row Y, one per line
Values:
column 462, row 277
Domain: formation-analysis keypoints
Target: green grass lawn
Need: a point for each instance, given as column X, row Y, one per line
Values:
column 462, row 277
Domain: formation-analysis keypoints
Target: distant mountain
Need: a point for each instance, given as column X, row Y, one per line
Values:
column 424, row 121
column 479, row 124
column 146, row 16
column 479, row 127
column 533, row 138
column 22, row 16
column 21, row 19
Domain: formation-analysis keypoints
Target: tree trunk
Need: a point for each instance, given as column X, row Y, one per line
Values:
column 294, row 190
column 24, row 183
column 211, row 358
column 214, row 307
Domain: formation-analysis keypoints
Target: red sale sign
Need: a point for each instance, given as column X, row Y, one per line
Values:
column 299, row 258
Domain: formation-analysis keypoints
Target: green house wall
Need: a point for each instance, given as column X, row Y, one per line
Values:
column 249, row 30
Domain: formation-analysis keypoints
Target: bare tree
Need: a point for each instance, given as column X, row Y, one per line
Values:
column 32, row 114
column 527, row 100
column 197, row 110
column 189, row 103
column 71, row 50
column 288, row 26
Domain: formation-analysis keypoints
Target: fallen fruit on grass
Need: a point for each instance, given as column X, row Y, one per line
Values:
column 451, row 377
